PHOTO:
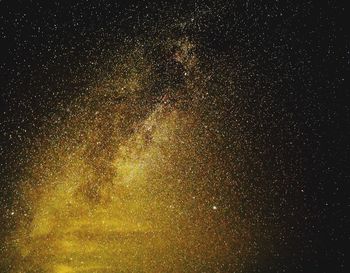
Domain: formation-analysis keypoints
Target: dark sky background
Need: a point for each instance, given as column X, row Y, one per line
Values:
column 298, row 52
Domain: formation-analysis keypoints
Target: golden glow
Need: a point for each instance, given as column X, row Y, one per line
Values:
column 126, row 187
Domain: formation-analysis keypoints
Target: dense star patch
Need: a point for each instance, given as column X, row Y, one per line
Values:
column 173, row 137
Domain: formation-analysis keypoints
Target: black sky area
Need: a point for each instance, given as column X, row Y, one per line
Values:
column 295, row 54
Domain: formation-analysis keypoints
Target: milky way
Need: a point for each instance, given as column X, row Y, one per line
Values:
column 134, row 179
column 179, row 149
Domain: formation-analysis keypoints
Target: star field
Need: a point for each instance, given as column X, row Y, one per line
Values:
column 163, row 137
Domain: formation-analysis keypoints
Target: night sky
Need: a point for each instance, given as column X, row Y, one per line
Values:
column 196, row 136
